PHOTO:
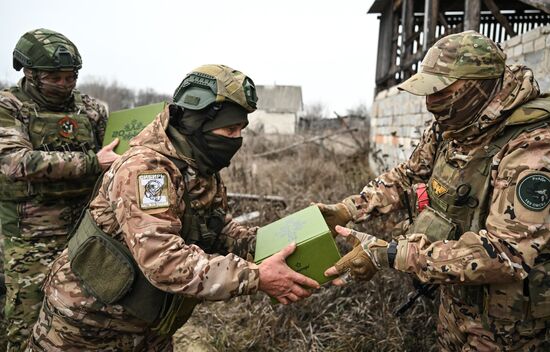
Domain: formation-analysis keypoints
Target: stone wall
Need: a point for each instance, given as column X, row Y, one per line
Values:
column 398, row 118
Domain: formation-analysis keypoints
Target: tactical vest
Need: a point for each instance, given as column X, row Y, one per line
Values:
column 460, row 196
column 48, row 131
column 92, row 251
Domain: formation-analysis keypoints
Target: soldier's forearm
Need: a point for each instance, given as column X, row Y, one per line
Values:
column 39, row 165
column 473, row 259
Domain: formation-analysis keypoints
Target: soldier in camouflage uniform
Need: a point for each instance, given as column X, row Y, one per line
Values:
column 157, row 238
column 50, row 157
column 485, row 160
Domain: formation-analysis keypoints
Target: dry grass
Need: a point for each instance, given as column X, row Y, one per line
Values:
column 357, row 317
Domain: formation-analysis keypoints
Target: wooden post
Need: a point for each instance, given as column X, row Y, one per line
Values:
column 383, row 61
column 407, row 17
column 472, row 9
column 500, row 18
column 431, row 13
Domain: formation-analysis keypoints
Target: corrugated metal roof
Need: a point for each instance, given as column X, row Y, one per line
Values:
column 274, row 98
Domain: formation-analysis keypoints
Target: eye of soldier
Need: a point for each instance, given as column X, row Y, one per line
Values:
column 60, row 78
column 233, row 131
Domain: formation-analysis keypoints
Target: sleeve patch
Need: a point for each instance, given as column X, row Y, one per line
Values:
column 153, row 190
column 533, row 191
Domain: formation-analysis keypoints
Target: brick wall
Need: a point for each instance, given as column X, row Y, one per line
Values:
column 398, row 118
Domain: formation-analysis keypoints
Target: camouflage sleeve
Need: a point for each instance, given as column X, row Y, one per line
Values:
column 241, row 240
column 19, row 161
column 149, row 196
column 517, row 227
column 385, row 193
column 98, row 113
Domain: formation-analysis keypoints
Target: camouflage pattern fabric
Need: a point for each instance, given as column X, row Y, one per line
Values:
column 222, row 82
column 19, row 161
column 512, row 246
column 3, row 323
column 46, row 50
column 466, row 55
column 42, row 224
column 146, row 217
column 26, row 266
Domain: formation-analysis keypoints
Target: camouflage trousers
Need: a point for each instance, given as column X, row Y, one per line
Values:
column 460, row 328
column 26, row 264
column 3, row 324
column 56, row 332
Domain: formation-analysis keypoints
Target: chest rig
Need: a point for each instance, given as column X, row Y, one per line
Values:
column 459, row 198
column 91, row 251
column 51, row 131
column 202, row 223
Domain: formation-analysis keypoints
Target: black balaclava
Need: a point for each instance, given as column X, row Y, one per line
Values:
column 212, row 152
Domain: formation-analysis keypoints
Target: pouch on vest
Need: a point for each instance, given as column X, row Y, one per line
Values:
column 93, row 257
column 434, row 225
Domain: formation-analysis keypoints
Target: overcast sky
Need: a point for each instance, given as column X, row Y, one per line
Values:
column 327, row 47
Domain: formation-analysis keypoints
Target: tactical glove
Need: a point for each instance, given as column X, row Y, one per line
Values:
column 339, row 213
column 363, row 261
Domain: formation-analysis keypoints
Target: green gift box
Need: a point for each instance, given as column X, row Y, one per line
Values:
column 126, row 124
column 315, row 251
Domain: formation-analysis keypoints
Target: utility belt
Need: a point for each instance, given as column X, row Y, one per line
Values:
column 108, row 272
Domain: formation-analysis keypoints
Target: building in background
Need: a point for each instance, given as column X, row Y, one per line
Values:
column 279, row 108
column 408, row 28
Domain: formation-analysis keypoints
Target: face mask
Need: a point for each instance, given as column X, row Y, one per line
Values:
column 460, row 104
column 57, row 93
column 50, row 95
column 217, row 154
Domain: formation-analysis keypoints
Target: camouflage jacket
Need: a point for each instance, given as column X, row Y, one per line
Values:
column 24, row 170
column 19, row 161
column 513, row 243
column 150, row 226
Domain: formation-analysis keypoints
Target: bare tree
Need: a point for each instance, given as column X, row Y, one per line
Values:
column 359, row 110
column 118, row 97
column 150, row 96
column 315, row 111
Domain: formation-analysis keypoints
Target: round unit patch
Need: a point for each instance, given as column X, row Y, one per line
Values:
column 533, row 191
column 67, row 126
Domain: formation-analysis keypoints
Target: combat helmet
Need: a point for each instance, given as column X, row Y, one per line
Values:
column 466, row 55
column 210, row 84
column 46, row 50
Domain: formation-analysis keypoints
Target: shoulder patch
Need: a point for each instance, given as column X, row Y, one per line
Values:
column 533, row 191
column 153, row 190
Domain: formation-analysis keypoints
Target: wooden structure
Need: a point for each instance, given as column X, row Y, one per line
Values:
column 409, row 27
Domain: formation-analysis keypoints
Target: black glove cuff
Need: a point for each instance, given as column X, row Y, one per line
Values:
column 392, row 253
